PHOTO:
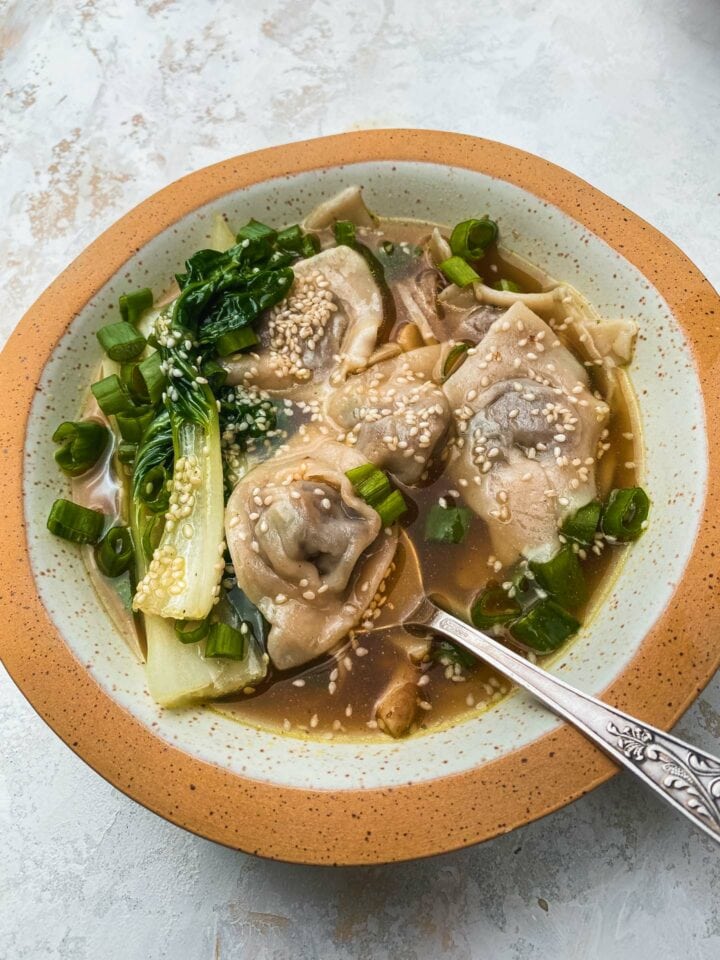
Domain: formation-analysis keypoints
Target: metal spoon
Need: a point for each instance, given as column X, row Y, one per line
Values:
column 681, row 774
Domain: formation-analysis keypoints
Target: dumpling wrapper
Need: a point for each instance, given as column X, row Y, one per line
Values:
column 324, row 329
column 306, row 549
column 348, row 204
column 529, row 428
column 394, row 413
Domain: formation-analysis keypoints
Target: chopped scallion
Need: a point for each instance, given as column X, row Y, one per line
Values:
column 458, row 271
column 508, row 286
column 134, row 305
column 625, row 513
column 149, row 378
column 344, row 232
column 133, row 425
column 126, row 452
column 391, row 508
column 115, row 553
column 81, row 445
column 493, row 606
column 254, row 230
column 446, row 653
column 562, row 577
column 121, row 341
column 370, row 483
column 583, row 524
column 227, row 642
column 471, row 238
column 153, row 490
column 75, row 523
column 111, row 395
column 545, row 627
column 454, row 359
column 447, row 524
column 192, row 631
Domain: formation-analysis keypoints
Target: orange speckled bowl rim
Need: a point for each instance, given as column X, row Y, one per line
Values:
column 676, row 659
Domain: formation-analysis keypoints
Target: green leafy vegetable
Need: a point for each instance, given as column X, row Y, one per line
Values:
column 582, row 525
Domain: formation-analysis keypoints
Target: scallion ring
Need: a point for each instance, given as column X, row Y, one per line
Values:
column 625, row 514
column 82, row 444
column 471, row 238
column 114, row 553
column 154, row 491
column 545, row 627
column 111, row 396
column 494, row 606
column 236, row 340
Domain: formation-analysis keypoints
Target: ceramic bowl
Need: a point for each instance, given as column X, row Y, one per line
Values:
column 650, row 648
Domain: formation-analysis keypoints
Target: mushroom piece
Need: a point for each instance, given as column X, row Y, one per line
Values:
column 396, row 706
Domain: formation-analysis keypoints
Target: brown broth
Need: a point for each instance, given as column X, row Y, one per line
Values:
column 300, row 702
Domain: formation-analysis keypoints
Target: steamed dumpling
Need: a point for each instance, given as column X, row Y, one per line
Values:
column 325, row 328
column 394, row 412
column 529, row 428
column 306, row 550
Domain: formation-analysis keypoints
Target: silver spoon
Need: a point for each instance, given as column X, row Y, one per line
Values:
column 681, row 774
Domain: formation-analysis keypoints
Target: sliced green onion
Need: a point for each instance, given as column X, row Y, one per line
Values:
column 82, row 445
column 215, row 374
column 134, row 305
column 562, row 577
column 310, row 245
column 509, row 286
column 446, row 652
column 344, row 232
column 154, row 491
column 227, row 642
column 126, row 452
column 152, row 534
column 254, row 230
column 75, row 523
column 133, row 425
column 149, row 379
column 471, row 238
column 583, row 524
column 391, row 508
column 387, row 247
column 458, row 271
column 192, row 631
column 111, row 395
column 114, row 553
column 625, row 513
column 236, row 340
column 454, row 360
column 545, row 627
column 121, row 341
column 370, row 483
column 447, row 524
column 493, row 606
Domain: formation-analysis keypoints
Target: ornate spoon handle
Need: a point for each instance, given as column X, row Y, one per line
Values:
column 681, row 774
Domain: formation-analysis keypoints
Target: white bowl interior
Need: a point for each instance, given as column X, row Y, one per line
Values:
column 666, row 383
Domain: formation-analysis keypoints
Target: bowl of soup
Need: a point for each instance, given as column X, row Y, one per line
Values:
column 237, row 411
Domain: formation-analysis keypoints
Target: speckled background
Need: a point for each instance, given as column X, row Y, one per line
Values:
column 102, row 103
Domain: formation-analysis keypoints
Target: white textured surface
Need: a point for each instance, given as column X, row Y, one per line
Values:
column 104, row 103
